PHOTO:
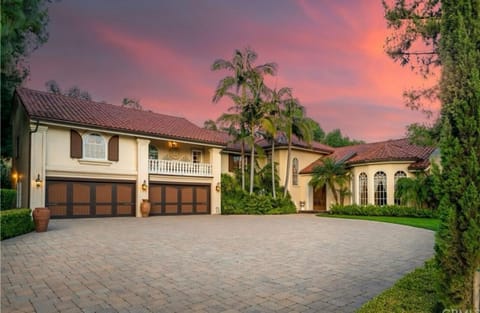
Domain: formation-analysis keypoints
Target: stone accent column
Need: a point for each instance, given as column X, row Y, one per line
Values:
column 38, row 153
column 216, row 196
column 142, row 173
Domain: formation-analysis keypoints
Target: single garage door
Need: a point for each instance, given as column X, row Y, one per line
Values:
column 90, row 198
column 167, row 199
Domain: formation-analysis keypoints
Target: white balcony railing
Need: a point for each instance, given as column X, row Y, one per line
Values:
column 173, row 167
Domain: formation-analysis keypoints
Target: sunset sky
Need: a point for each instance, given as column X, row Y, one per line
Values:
column 160, row 52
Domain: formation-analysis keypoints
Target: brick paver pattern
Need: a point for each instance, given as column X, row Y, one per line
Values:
column 294, row 263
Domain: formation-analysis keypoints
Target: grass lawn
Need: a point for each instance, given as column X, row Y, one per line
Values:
column 415, row 292
column 427, row 223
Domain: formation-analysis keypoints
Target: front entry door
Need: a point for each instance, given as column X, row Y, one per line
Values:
column 320, row 199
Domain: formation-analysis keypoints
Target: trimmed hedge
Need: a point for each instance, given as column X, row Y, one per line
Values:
column 8, row 198
column 15, row 222
column 385, row 210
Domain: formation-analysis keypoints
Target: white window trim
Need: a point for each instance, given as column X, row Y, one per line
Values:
column 105, row 145
column 201, row 155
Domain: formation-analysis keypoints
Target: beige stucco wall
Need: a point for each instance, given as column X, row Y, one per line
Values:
column 60, row 164
column 183, row 151
column 389, row 168
column 301, row 191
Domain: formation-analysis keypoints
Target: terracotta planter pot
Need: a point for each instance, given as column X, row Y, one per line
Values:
column 145, row 208
column 41, row 217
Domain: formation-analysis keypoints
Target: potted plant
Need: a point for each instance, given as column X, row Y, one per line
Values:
column 145, row 208
column 41, row 217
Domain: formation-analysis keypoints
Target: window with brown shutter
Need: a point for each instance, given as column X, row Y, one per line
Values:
column 113, row 149
column 75, row 145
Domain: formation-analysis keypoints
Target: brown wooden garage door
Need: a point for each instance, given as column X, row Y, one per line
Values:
column 90, row 198
column 169, row 199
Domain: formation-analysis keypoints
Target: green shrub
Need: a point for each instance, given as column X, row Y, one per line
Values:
column 237, row 201
column 15, row 222
column 385, row 210
column 8, row 198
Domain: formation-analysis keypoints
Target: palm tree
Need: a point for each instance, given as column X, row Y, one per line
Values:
column 235, row 126
column 272, row 121
column 248, row 79
column 295, row 123
column 332, row 174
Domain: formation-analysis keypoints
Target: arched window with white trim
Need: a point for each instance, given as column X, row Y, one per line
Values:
column 295, row 171
column 363, row 188
column 380, row 185
column 94, row 147
column 398, row 175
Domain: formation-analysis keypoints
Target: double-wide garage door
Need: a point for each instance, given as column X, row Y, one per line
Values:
column 169, row 199
column 90, row 198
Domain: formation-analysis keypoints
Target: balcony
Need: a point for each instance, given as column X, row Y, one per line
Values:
column 180, row 168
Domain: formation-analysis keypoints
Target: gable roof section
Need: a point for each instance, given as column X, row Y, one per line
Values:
column 391, row 150
column 281, row 141
column 50, row 107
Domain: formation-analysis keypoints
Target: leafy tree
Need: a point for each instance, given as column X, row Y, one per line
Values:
column 336, row 139
column 458, row 239
column 74, row 91
column 414, row 42
column 424, row 135
column 418, row 191
column 295, row 123
column 335, row 176
column 451, row 28
column 23, row 29
column 246, row 82
column 318, row 132
column 210, row 124
column 132, row 103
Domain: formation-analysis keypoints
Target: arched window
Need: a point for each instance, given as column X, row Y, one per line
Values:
column 94, row 147
column 295, row 171
column 380, row 183
column 152, row 152
column 363, row 188
column 398, row 175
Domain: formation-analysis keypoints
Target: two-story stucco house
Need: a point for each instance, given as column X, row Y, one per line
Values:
column 87, row 159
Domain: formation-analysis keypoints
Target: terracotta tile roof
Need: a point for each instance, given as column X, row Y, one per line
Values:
column 46, row 106
column 391, row 150
column 282, row 141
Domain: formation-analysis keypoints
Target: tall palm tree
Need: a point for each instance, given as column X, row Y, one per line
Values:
column 236, row 128
column 246, row 81
column 331, row 174
column 295, row 123
column 272, row 122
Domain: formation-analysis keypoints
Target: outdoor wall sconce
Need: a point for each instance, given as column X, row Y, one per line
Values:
column 38, row 181
column 172, row 144
column 218, row 187
column 144, row 185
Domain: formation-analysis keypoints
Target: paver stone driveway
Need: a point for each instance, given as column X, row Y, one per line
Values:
column 292, row 263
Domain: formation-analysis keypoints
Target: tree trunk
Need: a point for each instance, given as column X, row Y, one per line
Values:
column 287, row 175
column 274, row 194
column 242, row 164
column 252, row 162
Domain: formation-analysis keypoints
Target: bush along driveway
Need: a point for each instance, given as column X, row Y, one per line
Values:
column 288, row 263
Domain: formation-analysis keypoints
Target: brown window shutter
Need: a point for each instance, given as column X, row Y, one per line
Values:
column 113, row 149
column 75, row 145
